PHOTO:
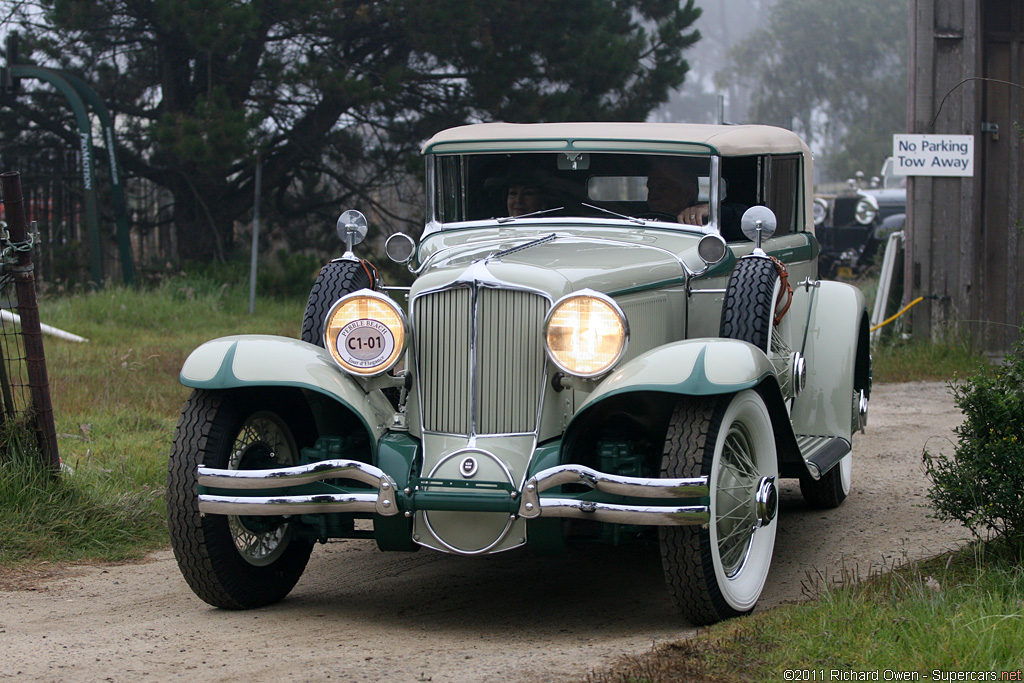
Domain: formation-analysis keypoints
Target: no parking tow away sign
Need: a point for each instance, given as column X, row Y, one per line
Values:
column 943, row 155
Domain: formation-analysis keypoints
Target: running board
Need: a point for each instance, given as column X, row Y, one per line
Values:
column 822, row 453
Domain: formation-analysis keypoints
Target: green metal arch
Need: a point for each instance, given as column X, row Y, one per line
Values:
column 74, row 90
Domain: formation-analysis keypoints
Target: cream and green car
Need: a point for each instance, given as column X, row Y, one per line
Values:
column 593, row 369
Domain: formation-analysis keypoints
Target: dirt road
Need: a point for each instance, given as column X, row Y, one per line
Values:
column 361, row 615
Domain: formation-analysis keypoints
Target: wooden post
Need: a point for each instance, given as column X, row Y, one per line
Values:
column 28, row 309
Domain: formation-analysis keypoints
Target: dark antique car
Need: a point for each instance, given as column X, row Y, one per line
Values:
column 853, row 225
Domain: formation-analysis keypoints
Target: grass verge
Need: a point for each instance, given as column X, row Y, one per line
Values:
column 962, row 612
column 116, row 401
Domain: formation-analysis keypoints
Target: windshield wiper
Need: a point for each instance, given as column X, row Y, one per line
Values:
column 542, row 240
column 631, row 219
column 507, row 219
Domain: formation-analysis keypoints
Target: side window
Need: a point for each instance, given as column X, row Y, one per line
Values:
column 783, row 187
column 449, row 189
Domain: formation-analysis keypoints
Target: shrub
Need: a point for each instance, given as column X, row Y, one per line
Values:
column 982, row 484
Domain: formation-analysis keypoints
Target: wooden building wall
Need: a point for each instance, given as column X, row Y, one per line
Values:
column 964, row 235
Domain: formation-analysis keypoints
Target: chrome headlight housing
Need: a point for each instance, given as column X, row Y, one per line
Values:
column 867, row 209
column 585, row 333
column 820, row 211
column 366, row 333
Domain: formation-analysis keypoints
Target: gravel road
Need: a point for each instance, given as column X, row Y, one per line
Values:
column 362, row 615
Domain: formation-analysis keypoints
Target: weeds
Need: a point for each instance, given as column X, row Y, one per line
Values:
column 982, row 483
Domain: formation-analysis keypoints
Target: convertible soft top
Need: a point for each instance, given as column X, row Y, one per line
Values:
column 600, row 136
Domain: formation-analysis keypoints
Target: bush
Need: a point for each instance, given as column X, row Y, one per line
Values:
column 982, row 484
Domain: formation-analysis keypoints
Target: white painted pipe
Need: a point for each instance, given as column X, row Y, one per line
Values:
column 892, row 249
column 46, row 329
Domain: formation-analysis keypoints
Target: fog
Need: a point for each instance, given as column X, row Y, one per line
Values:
column 723, row 24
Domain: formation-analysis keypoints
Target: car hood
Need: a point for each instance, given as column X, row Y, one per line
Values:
column 558, row 262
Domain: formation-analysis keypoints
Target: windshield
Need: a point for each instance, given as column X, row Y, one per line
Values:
column 472, row 187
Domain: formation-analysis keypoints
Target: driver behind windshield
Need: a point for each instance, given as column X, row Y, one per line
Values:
column 672, row 191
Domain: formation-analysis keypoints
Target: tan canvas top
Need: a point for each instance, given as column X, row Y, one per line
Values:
column 597, row 136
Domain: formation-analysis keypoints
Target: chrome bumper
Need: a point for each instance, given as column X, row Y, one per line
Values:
column 533, row 506
column 387, row 500
column 381, row 501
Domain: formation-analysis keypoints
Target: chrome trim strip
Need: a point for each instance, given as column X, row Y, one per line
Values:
column 293, row 476
column 624, row 514
column 639, row 487
column 295, row 505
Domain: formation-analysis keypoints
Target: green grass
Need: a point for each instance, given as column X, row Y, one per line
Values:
column 917, row 361
column 116, row 400
column 959, row 612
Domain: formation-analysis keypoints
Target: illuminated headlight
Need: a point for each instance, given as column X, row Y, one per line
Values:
column 867, row 209
column 820, row 210
column 585, row 334
column 365, row 333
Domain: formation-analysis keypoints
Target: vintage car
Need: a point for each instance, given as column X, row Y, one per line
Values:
column 589, row 371
column 851, row 226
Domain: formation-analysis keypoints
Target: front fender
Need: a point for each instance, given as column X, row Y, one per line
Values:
column 267, row 361
column 835, row 349
column 632, row 399
column 695, row 367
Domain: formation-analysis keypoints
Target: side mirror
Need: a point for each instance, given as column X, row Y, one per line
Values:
column 352, row 228
column 758, row 223
column 400, row 247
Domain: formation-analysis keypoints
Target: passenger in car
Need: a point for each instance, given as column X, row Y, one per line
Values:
column 522, row 199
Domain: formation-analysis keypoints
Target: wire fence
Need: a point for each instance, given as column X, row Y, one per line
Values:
column 24, row 386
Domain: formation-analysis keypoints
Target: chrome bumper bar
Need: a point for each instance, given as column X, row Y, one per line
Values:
column 533, row 506
column 381, row 501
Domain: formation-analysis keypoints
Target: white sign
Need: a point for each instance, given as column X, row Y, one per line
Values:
column 945, row 155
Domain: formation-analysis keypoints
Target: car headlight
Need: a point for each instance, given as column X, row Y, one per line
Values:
column 867, row 209
column 365, row 333
column 585, row 333
column 820, row 210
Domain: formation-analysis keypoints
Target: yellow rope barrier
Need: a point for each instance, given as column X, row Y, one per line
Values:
column 901, row 312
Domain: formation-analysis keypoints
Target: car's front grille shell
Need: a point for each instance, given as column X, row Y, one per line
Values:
column 480, row 359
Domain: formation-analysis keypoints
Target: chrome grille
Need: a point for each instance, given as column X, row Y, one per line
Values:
column 442, row 328
column 507, row 379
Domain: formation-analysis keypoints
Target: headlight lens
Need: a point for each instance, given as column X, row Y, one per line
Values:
column 867, row 209
column 365, row 333
column 585, row 334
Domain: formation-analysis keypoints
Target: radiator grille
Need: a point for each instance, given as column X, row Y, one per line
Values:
column 507, row 380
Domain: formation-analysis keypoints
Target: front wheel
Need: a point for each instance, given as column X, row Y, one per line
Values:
column 718, row 572
column 231, row 561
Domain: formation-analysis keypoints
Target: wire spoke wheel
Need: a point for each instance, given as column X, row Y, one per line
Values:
column 718, row 572
column 263, row 442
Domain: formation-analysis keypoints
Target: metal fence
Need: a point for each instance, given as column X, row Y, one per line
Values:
column 24, row 386
column 51, row 182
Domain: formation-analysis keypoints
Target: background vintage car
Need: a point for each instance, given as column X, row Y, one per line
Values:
column 593, row 371
column 851, row 226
